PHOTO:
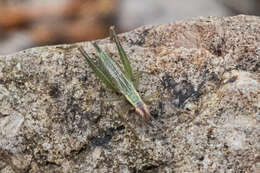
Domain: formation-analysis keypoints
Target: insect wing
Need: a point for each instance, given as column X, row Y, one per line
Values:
column 124, row 85
column 126, row 63
column 98, row 70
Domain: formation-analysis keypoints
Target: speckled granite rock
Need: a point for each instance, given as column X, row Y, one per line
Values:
column 53, row 117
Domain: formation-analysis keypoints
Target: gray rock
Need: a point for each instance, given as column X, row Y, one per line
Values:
column 54, row 116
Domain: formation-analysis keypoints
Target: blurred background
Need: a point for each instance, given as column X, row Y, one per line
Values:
column 30, row 23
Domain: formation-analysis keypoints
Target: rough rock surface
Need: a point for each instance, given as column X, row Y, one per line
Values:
column 54, row 116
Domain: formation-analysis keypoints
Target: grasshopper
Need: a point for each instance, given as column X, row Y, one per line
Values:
column 115, row 78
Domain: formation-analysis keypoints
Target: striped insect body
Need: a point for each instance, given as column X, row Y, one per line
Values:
column 113, row 77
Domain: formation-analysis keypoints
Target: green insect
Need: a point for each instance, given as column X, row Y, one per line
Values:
column 120, row 81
